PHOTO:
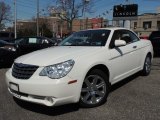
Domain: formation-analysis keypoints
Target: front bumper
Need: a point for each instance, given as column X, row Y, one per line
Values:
column 43, row 90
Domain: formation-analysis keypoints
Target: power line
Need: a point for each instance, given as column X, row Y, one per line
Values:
column 105, row 9
column 27, row 2
column 106, row 4
column 30, row 2
column 21, row 4
column 27, row 12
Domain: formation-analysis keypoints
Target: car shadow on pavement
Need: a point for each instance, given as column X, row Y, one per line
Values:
column 124, row 81
column 156, row 62
column 51, row 111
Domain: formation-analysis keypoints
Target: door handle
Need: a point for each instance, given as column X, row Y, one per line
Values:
column 134, row 46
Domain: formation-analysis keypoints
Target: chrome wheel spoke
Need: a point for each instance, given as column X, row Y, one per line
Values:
column 93, row 99
column 95, row 80
column 102, row 84
column 100, row 93
column 85, row 90
column 88, row 83
column 86, row 97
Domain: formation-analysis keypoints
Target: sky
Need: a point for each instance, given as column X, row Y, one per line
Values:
column 26, row 9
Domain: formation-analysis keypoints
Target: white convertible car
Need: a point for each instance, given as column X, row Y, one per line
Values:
column 81, row 69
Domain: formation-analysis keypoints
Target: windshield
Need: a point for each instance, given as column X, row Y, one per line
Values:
column 87, row 38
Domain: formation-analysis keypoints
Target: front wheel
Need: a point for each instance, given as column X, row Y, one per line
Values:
column 95, row 89
column 147, row 66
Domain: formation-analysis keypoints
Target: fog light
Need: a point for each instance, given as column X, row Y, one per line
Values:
column 49, row 101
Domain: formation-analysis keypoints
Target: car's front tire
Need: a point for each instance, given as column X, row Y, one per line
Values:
column 147, row 66
column 95, row 89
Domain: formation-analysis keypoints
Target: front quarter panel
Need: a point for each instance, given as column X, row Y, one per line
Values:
column 84, row 63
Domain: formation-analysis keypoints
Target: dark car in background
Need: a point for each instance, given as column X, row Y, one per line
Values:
column 155, row 40
column 21, row 46
column 6, row 36
column 29, row 44
column 7, row 52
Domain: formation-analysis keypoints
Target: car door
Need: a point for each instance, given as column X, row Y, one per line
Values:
column 132, row 52
column 125, row 60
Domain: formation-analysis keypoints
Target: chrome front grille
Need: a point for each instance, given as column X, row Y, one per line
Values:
column 23, row 71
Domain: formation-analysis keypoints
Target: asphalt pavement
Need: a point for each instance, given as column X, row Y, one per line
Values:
column 135, row 98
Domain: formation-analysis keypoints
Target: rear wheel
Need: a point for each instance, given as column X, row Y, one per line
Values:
column 147, row 66
column 95, row 89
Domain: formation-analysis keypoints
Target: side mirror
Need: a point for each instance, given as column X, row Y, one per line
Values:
column 119, row 43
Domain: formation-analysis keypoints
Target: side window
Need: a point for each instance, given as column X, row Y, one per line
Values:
column 21, row 41
column 32, row 41
column 125, row 35
column 134, row 38
column 129, row 37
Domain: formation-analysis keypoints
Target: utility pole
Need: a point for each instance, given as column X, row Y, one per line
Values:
column 61, row 28
column 84, row 16
column 84, row 13
column 15, row 20
column 37, row 17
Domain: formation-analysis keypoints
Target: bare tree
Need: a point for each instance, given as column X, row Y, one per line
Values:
column 68, row 10
column 5, row 13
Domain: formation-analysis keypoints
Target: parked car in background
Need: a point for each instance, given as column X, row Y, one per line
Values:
column 29, row 44
column 56, row 41
column 81, row 69
column 7, row 36
column 21, row 46
column 155, row 40
column 7, row 52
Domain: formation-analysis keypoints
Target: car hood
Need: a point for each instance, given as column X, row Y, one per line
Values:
column 55, row 55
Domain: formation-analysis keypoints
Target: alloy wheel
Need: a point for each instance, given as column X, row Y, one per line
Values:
column 148, row 65
column 93, row 89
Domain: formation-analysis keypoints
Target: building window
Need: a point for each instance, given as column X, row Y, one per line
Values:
column 147, row 25
column 135, row 25
column 158, row 25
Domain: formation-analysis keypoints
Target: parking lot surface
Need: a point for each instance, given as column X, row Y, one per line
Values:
column 135, row 98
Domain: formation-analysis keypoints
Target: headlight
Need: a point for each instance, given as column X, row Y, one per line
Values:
column 58, row 70
column 9, row 48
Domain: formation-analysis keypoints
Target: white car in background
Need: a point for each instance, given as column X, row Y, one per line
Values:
column 81, row 69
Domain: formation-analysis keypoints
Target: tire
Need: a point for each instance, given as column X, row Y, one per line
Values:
column 147, row 66
column 95, row 89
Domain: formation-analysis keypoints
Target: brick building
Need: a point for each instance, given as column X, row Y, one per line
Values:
column 57, row 26
column 88, row 23
column 146, row 23
column 23, row 24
